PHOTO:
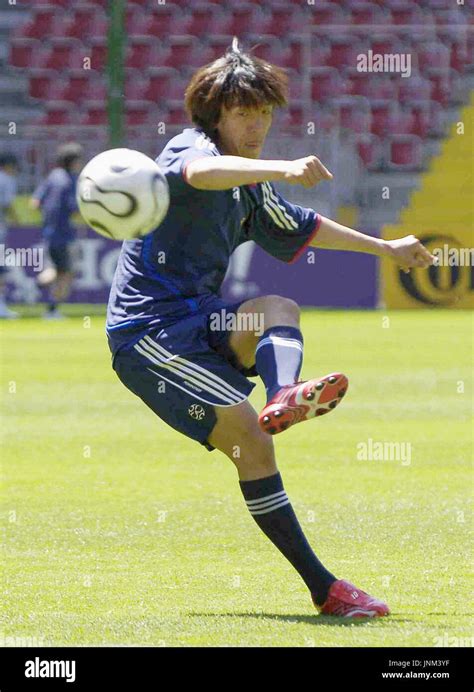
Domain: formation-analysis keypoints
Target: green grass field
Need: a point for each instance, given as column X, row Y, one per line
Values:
column 118, row 530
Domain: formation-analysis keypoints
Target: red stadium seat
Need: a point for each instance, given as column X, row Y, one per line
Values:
column 144, row 53
column 433, row 55
column 287, row 54
column 95, row 113
column 404, row 13
column 402, row 122
column 352, row 113
column 98, row 53
column 343, row 53
column 40, row 82
column 405, row 152
column 84, row 84
column 414, row 89
column 326, row 83
column 243, row 19
column 136, row 87
column 367, row 13
column 442, row 83
column 205, row 19
column 327, row 14
column 86, row 21
column 24, row 52
column 163, row 83
column 373, row 86
column 64, row 53
column 282, row 20
column 57, row 113
column 381, row 112
column 137, row 113
column 42, row 23
column 430, row 119
column 370, row 150
column 175, row 114
column 161, row 22
column 291, row 118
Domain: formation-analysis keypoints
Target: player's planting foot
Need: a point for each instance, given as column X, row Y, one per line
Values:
column 301, row 401
column 347, row 601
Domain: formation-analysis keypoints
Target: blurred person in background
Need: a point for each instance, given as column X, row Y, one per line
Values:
column 8, row 189
column 55, row 196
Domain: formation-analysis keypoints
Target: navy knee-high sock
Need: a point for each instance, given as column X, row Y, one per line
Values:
column 279, row 357
column 269, row 505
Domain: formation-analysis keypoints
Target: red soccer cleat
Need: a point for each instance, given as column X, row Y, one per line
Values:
column 347, row 601
column 301, row 401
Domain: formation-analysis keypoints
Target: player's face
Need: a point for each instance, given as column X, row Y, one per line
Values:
column 242, row 131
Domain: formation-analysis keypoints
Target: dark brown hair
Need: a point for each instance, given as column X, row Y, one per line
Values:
column 236, row 79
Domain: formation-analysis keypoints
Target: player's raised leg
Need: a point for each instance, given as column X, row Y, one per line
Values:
column 278, row 356
column 238, row 435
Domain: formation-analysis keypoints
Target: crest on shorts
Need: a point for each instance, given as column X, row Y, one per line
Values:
column 196, row 411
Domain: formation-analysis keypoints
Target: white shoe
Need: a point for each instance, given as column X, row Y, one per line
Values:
column 6, row 314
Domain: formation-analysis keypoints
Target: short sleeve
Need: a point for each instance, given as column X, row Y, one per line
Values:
column 282, row 229
column 42, row 190
column 174, row 160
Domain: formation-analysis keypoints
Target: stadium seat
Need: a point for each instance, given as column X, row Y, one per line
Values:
column 24, row 52
column 292, row 118
column 84, row 84
column 343, row 53
column 373, row 86
column 40, row 82
column 286, row 54
column 94, row 113
column 430, row 118
column 327, row 14
column 57, row 113
column 326, row 83
column 137, row 113
column 352, row 113
column 367, row 13
column 144, row 53
column 136, row 87
column 86, row 21
column 402, row 122
column 175, row 114
column 205, row 19
column 98, row 53
column 405, row 153
column 282, row 20
column 63, row 54
column 42, row 23
column 404, row 13
column 433, row 55
column 414, row 89
column 381, row 112
column 164, row 83
column 370, row 150
column 243, row 19
column 443, row 85
column 161, row 22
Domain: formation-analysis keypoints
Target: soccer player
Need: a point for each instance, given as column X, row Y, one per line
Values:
column 56, row 197
column 168, row 346
column 8, row 188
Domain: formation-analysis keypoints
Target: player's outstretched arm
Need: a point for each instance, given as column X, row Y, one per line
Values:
column 225, row 172
column 407, row 252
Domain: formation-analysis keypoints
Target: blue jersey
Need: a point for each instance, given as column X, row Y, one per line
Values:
column 57, row 198
column 177, row 270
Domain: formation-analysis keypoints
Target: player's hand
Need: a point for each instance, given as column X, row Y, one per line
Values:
column 408, row 252
column 308, row 172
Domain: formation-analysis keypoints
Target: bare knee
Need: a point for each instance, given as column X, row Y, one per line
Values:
column 255, row 458
column 280, row 310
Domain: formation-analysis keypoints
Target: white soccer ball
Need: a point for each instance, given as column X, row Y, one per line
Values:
column 122, row 194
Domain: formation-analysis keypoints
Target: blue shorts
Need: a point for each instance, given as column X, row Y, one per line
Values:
column 183, row 372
